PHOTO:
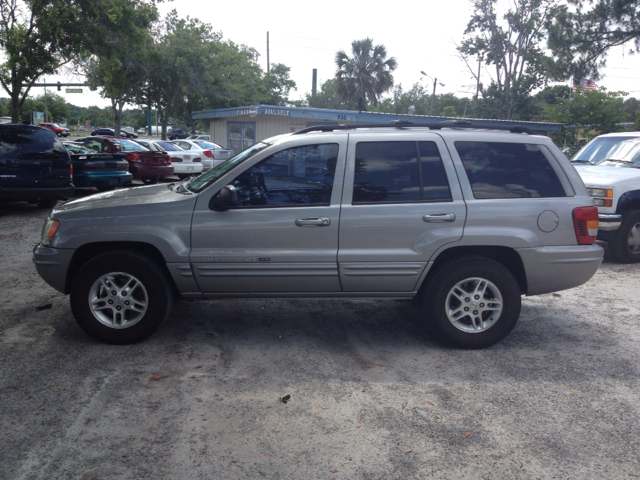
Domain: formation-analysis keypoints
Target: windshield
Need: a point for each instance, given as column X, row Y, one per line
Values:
column 597, row 150
column 203, row 181
column 129, row 146
column 205, row 145
column 628, row 152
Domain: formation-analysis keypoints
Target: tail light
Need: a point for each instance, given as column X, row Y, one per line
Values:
column 70, row 171
column 134, row 157
column 207, row 153
column 196, row 159
column 175, row 159
column 585, row 224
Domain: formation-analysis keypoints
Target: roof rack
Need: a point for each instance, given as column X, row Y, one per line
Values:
column 401, row 124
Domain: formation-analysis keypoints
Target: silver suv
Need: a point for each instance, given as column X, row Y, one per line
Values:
column 466, row 220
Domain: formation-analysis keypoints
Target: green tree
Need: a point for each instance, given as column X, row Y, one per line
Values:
column 279, row 84
column 326, row 97
column 587, row 114
column 580, row 38
column 116, row 63
column 366, row 75
column 512, row 48
column 57, row 107
column 34, row 44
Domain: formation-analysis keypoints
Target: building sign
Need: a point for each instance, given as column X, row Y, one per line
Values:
column 252, row 112
column 276, row 111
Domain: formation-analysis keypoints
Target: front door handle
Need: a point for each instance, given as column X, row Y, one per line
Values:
column 313, row 222
column 439, row 217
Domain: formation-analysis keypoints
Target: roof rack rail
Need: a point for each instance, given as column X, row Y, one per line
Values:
column 401, row 124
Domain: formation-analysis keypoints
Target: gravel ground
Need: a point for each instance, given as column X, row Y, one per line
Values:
column 372, row 396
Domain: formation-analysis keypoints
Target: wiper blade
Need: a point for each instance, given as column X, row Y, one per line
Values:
column 626, row 163
column 579, row 160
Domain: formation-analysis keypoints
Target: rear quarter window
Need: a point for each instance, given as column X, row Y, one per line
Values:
column 508, row 170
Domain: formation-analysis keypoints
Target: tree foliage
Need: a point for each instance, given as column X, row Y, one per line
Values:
column 512, row 48
column 587, row 114
column 366, row 75
column 580, row 38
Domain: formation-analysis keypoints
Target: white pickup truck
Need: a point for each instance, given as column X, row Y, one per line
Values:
column 610, row 168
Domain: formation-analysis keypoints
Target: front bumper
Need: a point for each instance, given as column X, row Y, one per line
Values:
column 101, row 179
column 52, row 265
column 609, row 222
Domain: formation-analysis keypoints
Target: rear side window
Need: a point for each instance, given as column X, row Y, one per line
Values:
column 399, row 172
column 27, row 142
column 508, row 170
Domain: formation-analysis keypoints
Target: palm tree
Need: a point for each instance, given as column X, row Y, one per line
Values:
column 366, row 75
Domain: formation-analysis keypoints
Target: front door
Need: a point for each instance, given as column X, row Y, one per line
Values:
column 283, row 235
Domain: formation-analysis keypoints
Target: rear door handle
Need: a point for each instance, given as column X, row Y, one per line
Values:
column 439, row 217
column 316, row 221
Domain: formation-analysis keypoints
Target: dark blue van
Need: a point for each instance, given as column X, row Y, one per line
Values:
column 34, row 166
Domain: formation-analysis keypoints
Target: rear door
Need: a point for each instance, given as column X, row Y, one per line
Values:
column 401, row 202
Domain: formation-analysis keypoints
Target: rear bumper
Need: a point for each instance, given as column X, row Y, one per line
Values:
column 52, row 265
column 191, row 167
column 550, row 269
column 28, row 193
column 150, row 171
column 101, row 179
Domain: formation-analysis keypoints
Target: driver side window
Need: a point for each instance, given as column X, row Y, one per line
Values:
column 298, row 176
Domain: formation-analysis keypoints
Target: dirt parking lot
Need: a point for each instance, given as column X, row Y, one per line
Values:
column 372, row 396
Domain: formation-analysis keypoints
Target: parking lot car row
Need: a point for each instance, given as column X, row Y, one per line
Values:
column 463, row 219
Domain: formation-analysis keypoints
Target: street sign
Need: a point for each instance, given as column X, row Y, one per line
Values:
column 73, row 90
column 170, row 121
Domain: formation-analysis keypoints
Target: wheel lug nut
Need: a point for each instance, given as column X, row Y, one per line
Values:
column 114, row 293
column 467, row 299
column 124, row 294
column 475, row 312
column 466, row 309
column 118, row 308
column 482, row 305
column 127, row 302
column 110, row 302
column 477, row 297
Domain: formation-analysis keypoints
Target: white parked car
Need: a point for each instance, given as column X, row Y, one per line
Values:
column 184, row 163
column 199, row 137
column 211, row 150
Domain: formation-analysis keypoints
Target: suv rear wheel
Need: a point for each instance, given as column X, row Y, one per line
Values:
column 473, row 302
column 120, row 297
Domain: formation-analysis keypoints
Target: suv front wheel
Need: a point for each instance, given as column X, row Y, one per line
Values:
column 120, row 297
column 473, row 302
column 625, row 245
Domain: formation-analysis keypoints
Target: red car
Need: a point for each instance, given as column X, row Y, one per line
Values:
column 58, row 130
column 146, row 165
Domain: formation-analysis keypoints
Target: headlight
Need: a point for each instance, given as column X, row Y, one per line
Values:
column 49, row 230
column 600, row 192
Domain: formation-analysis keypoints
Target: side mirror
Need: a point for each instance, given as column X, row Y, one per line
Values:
column 225, row 199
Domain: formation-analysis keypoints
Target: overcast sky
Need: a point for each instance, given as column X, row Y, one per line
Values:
column 421, row 35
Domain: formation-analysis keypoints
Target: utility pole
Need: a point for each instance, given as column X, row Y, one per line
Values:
column 46, row 114
column 433, row 96
column 478, row 77
column 268, row 65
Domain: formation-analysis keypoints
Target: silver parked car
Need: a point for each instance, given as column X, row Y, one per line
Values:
column 465, row 220
column 212, row 151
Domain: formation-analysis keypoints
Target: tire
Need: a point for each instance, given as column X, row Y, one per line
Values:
column 132, row 322
column 150, row 181
column 47, row 202
column 59, row 134
column 446, row 299
column 625, row 244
